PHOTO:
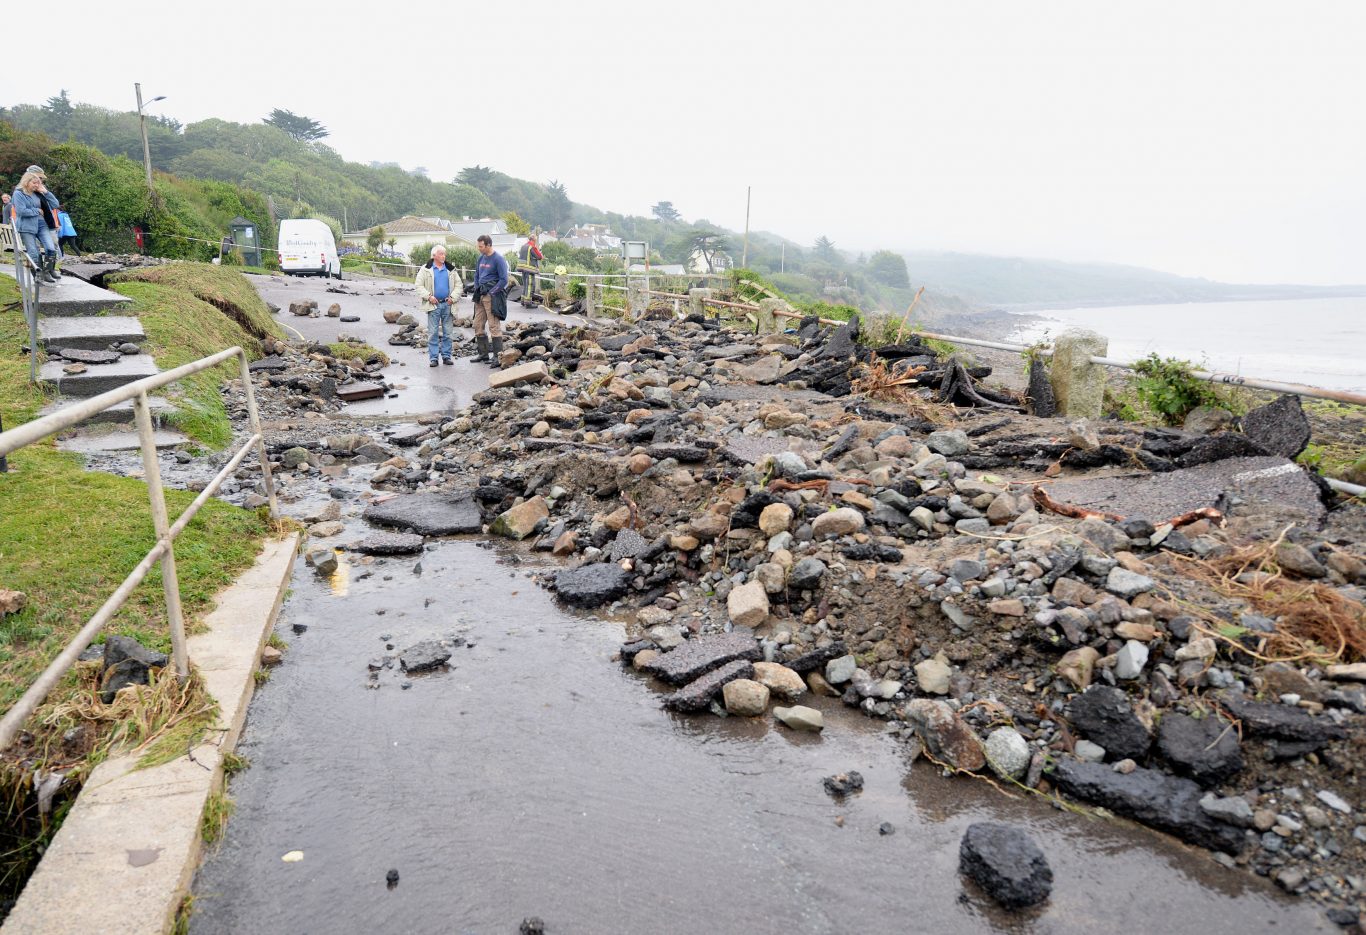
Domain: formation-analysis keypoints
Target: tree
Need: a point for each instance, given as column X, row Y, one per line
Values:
column 558, row 208
column 60, row 107
column 393, row 242
column 298, row 126
column 824, row 248
column 375, row 239
column 889, row 268
column 515, row 224
column 707, row 242
column 476, row 176
column 666, row 212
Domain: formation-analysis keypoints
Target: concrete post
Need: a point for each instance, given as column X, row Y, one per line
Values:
column 562, row 286
column 696, row 300
column 636, row 290
column 590, row 299
column 768, row 322
column 1078, row 384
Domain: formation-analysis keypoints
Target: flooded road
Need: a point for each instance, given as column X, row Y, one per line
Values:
column 421, row 388
column 535, row 777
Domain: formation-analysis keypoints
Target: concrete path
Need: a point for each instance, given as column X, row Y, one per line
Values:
column 123, row 859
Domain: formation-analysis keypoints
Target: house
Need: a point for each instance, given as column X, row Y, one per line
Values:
column 720, row 262
column 665, row 269
column 596, row 237
column 407, row 233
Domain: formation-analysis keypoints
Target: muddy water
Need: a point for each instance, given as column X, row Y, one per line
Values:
column 536, row 777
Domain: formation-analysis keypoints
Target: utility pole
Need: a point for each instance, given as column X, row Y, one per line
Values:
column 345, row 226
column 782, row 264
column 744, row 256
column 146, row 151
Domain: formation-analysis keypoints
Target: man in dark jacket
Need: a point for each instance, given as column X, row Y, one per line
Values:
column 490, row 297
column 528, row 261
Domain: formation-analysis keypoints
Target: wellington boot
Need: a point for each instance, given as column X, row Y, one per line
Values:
column 482, row 343
column 494, row 360
column 49, row 273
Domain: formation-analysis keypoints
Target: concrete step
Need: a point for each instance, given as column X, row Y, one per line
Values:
column 74, row 297
column 90, row 332
column 120, row 414
column 98, row 378
column 97, row 440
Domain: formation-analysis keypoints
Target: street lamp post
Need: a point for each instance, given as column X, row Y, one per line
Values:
column 142, row 118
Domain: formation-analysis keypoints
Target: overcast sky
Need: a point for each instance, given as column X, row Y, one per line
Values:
column 1218, row 139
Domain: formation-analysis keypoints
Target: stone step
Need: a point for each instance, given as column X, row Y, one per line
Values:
column 74, row 297
column 90, row 332
column 95, row 441
column 98, row 378
column 119, row 414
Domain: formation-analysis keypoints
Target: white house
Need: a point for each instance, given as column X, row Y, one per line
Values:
column 407, row 233
column 596, row 237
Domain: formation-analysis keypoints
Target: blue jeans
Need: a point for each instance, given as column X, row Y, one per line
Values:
column 31, row 242
column 440, row 323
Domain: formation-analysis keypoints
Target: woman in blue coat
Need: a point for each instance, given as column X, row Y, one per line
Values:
column 31, row 198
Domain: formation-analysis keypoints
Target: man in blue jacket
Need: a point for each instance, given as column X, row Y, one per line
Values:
column 490, row 301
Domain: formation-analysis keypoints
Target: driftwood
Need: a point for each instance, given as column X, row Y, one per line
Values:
column 957, row 387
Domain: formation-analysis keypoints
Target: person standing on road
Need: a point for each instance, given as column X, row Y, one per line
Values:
column 490, row 301
column 529, row 259
column 31, row 201
column 436, row 282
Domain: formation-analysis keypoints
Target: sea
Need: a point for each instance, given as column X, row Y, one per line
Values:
column 1317, row 342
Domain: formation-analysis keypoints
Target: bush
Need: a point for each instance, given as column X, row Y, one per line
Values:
column 1165, row 386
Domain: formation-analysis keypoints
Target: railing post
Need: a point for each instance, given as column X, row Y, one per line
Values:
column 590, row 299
column 170, row 584
column 254, row 421
column 697, row 301
column 1078, row 384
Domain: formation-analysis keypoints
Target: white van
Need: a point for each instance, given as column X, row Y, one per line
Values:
column 308, row 249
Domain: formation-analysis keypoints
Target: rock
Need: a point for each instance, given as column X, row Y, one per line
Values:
column 592, row 585
column 304, row 308
column 1205, row 749
column 950, row 444
column 843, row 784
column 1007, row 753
column 806, row 574
column 326, row 530
column 840, row 670
column 745, row 697
column 521, row 520
column 747, row 604
column 772, row 576
column 945, row 735
column 696, row 657
column 271, row 657
column 1103, row 714
column 1206, row 420
column 799, row 717
column 129, row 348
column 1293, row 557
column 842, row 522
column 1077, row 665
column 423, row 656
column 293, row 457
column 334, row 310
column 391, row 316
column 1042, row 403
column 323, row 559
column 628, row 544
column 707, row 526
column 923, row 517
column 533, row 372
column 1280, row 722
column 1006, row 863
column 442, row 513
column 697, row 695
column 775, row 518
column 1130, row 660
column 765, row 371
column 819, row 686
column 1089, row 752
column 1333, row 801
column 816, row 658
column 389, row 543
column 1082, row 435
column 1233, row 810
column 11, row 602
column 1279, row 428
column 967, row 569
column 566, row 544
column 1167, row 803
column 932, row 675
column 780, row 680
column 1345, row 672
column 1126, row 583
column 1007, row 608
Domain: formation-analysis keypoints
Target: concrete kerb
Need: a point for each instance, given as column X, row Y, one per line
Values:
column 127, row 852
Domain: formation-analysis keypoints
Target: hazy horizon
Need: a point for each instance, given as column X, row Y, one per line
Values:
column 1210, row 140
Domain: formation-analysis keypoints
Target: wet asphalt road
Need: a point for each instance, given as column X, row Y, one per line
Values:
column 537, row 777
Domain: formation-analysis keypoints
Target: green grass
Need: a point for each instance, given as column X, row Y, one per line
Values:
column 347, row 350
column 217, row 810
column 191, row 310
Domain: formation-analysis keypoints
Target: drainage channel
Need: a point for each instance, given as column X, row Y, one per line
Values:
column 535, row 777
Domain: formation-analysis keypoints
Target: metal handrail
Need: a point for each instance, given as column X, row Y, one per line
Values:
column 26, row 277
column 166, row 532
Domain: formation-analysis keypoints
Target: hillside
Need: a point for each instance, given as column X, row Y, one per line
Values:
column 1021, row 282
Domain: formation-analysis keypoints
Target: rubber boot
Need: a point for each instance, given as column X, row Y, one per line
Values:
column 494, row 360
column 49, row 272
column 482, row 342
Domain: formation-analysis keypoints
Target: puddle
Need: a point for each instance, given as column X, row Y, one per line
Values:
column 537, row 778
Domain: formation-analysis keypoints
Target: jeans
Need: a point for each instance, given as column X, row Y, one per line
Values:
column 440, row 323
column 31, row 242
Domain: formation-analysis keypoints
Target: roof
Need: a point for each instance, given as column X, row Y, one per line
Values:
column 407, row 225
